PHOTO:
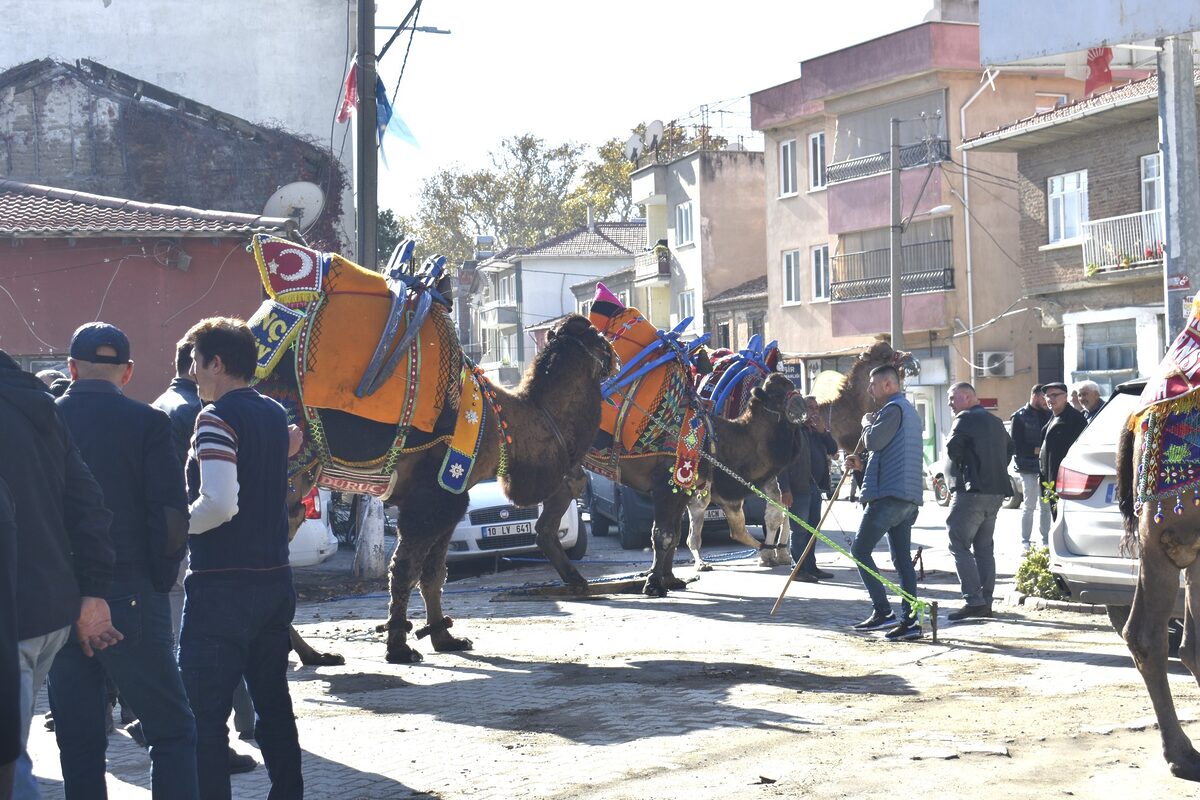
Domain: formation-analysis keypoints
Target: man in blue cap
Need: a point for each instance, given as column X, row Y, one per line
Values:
column 128, row 446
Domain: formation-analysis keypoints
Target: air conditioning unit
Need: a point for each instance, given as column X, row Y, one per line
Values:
column 994, row 364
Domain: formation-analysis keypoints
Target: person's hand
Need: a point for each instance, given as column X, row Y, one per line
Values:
column 1037, row 451
column 94, row 627
column 853, row 463
column 868, row 419
column 817, row 422
column 295, row 439
column 787, row 499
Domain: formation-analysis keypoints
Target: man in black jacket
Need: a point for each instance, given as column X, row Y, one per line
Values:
column 1060, row 433
column 802, row 483
column 979, row 449
column 128, row 446
column 64, row 554
column 1027, row 425
column 10, row 673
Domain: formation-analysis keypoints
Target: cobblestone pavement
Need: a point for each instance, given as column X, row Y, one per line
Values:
column 704, row 695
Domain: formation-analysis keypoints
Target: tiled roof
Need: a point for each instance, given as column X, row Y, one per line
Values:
column 548, row 324
column 608, row 240
column 30, row 210
column 621, row 273
column 1138, row 91
column 750, row 290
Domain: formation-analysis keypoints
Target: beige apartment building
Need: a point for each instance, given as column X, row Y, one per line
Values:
column 828, row 214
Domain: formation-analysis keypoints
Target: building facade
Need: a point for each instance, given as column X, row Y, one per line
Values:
column 828, row 200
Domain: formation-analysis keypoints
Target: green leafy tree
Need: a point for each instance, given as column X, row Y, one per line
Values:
column 389, row 233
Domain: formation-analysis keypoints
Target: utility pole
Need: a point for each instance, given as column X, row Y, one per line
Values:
column 1181, row 180
column 367, row 167
column 897, row 249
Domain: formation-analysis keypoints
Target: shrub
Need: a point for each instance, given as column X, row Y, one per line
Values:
column 1034, row 578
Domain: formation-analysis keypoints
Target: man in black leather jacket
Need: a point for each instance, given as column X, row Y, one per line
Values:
column 1027, row 425
column 980, row 450
column 1060, row 433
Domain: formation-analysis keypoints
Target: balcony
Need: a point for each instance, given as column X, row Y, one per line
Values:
column 911, row 155
column 1125, row 242
column 928, row 267
column 498, row 314
column 651, row 268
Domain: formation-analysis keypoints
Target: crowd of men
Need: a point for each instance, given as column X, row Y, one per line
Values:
column 980, row 450
column 102, row 498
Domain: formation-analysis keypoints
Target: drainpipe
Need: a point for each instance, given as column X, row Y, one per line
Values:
column 989, row 80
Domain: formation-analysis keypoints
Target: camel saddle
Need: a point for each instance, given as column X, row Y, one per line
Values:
column 726, row 390
column 329, row 312
column 651, row 406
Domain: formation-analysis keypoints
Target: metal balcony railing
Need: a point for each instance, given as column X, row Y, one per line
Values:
column 911, row 155
column 928, row 267
column 1131, row 240
column 652, row 267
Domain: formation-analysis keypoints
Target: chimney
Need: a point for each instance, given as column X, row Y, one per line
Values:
column 591, row 221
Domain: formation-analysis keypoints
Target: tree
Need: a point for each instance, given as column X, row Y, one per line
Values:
column 390, row 230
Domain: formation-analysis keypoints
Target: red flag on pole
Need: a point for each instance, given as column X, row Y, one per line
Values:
column 349, row 94
column 1099, row 74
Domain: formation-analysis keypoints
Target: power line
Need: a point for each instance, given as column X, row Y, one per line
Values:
column 416, row 15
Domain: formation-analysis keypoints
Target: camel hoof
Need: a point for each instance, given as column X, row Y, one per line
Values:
column 452, row 645
column 323, row 660
column 654, row 588
column 404, row 655
column 1187, row 767
column 674, row 584
column 704, row 568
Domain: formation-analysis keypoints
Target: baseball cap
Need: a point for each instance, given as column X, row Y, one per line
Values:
column 94, row 335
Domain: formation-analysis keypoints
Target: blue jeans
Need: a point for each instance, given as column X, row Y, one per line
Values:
column 808, row 508
column 143, row 667
column 236, row 624
column 971, row 526
column 34, row 657
column 894, row 517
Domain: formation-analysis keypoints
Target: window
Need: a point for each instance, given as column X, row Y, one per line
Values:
column 723, row 337
column 816, row 161
column 787, row 168
column 791, row 277
column 687, row 304
column 683, row 223
column 820, row 272
column 504, row 289
column 1108, row 345
column 585, row 307
column 623, row 296
column 1067, row 205
column 754, row 326
column 1152, row 182
column 483, row 340
column 869, row 132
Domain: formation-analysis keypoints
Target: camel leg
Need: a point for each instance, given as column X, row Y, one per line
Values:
column 1146, row 635
column 668, row 515
column 695, row 509
column 433, row 578
column 775, row 522
column 419, row 515
column 735, row 515
column 309, row 656
column 553, row 508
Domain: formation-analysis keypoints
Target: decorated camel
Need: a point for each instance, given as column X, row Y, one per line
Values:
column 654, row 435
column 1158, row 489
column 410, row 419
column 843, row 400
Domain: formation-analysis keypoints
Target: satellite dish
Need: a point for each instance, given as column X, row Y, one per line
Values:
column 301, row 201
column 633, row 148
column 654, row 132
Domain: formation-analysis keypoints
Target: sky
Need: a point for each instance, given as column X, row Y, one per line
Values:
column 586, row 72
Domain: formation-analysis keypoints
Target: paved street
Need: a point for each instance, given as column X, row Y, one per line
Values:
column 704, row 695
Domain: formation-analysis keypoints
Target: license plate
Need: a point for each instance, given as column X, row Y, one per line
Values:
column 508, row 530
column 714, row 513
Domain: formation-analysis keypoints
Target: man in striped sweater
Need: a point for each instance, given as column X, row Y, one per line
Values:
column 239, row 599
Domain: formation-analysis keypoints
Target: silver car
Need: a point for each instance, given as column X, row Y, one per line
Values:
column 1087, row 532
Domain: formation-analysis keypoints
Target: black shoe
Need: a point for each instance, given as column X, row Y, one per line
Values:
column 239, row 763
column 823, row 575
column 905, row 631
column 804, row 577
column 967, row 612
column 246, row 736
column 876, row 622
column 134, row 729
column 49, row 723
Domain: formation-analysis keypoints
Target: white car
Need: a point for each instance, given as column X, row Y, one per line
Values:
column 314, row 541
column 494, row 526
column 1085, row 536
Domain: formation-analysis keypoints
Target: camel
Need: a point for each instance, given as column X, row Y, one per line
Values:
column 1166, row 532
column 756, row 445
column 843, row 408
column 550, row 419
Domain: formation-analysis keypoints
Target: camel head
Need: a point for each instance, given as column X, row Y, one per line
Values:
column 572, row 338
column 778, row 395
column 880, row 352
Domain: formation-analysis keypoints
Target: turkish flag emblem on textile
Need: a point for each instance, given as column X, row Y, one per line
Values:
column 349, row 94
column 1099, row 74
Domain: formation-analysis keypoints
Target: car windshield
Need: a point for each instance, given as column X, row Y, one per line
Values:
column 1105, row 429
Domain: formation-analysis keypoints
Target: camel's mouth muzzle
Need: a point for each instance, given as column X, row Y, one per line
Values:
column 910, row 365
column 795, row 410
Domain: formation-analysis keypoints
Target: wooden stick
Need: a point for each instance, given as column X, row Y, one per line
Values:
column 811, row 541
